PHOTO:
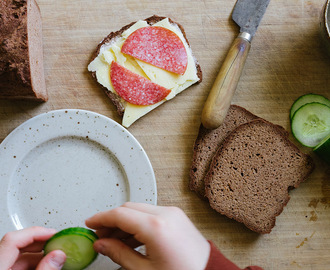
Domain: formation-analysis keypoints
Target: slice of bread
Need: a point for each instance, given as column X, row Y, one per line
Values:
column 252, row 172
column 207, row 143
column 114, row 37
column 21, row 51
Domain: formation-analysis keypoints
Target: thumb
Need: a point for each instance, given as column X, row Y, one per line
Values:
column 120, row 253
column 52, row 261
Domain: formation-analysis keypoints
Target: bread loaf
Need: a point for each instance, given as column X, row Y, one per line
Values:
column 21, row 51
column 252, row 172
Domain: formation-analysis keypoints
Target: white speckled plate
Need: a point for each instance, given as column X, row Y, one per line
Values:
column 61, row 167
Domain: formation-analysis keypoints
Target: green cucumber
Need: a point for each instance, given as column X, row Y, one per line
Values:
column 77, row 244
column 311, row 123
column 308, row 98
column 323, row 149
column 87, row 232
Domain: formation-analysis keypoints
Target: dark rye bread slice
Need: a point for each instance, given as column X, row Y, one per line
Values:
column 207, row 143
column 21, row 51
column 252, row 172
column 116, row 100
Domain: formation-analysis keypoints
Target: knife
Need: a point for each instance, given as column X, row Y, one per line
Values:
column 247, row 14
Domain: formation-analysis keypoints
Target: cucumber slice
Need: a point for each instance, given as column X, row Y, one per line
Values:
column 309, row 98
column 77, row 244
column 87, row 232
column 323, row 149
column 311, row 123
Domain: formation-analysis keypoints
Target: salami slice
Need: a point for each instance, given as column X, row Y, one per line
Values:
column 134, row 88
column 158, row 46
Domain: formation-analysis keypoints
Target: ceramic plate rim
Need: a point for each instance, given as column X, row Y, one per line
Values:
column 69, row 118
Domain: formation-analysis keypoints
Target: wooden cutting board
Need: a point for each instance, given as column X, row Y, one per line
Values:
column 287, row 59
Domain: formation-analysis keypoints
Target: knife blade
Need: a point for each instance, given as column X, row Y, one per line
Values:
column 247, row 14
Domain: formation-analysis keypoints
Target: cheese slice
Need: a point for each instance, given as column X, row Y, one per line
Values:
column 175, row 82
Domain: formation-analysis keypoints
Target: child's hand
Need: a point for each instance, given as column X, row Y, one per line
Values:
column 22, row 249
column 170, row 238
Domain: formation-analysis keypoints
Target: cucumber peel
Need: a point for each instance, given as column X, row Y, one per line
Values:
column 308, row 98
column 311, row 123
column 77, row 244
column 323, row 149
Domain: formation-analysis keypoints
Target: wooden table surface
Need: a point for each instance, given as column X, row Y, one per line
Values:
column 287, row 59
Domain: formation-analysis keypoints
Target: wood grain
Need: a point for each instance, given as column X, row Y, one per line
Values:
column 287, row 59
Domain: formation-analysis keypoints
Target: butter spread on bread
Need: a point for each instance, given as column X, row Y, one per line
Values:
column 110, row 50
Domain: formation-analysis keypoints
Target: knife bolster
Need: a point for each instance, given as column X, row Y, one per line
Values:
column 245, row 36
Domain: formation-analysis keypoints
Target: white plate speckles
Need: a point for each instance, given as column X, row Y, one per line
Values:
column 61, row 167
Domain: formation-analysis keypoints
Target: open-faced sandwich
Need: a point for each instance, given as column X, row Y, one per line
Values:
column 143, row 65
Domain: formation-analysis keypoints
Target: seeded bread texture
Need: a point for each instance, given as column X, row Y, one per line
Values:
column 116, row 100
column 21, row 51
column 252, row 172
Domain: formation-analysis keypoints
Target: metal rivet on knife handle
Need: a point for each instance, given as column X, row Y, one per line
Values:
column 247, row 14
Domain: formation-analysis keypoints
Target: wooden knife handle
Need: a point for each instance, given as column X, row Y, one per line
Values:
column 223, row 89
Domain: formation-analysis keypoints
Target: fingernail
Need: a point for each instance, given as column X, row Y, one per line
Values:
column 88, row 219
column 50, row 230
column 99, row 248
column 58, row 260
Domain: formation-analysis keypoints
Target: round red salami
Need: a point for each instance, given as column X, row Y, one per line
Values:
column 134, row 88
column 158, row 46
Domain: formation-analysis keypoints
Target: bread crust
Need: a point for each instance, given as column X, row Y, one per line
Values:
column 20, row 78
column 116, row 100
column 251, row 185
column 208, row 141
